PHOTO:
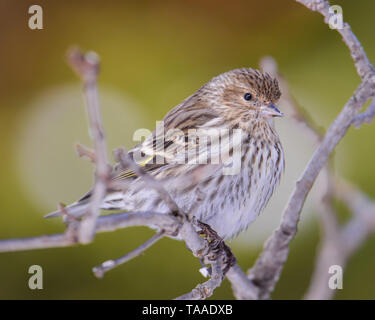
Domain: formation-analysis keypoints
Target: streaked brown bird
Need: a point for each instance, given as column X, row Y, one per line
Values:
column 217, row 153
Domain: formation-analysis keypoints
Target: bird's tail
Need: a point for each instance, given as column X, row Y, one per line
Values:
column 77, row 210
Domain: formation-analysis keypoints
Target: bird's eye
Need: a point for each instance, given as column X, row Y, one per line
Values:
column 247, row 96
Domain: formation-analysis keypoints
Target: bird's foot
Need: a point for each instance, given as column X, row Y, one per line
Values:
column 217, row 246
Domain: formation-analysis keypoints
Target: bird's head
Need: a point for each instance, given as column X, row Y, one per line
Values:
column 244, row 93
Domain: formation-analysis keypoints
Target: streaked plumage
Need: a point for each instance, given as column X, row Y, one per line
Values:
column 228, row 203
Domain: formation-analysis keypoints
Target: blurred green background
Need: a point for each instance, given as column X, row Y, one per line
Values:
column 154, row 54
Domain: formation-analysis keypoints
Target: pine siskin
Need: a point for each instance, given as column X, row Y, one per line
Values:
column 217, row 153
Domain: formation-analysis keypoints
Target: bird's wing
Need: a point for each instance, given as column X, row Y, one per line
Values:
column 154, row 153
column 169, row 144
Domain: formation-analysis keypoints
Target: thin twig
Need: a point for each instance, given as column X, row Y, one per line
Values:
column 85, row 152
column 365, row 117
column 108, row 265
column 87, row 67
column 106, row 223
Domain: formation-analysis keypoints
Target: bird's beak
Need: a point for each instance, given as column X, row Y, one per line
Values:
column 271, row 111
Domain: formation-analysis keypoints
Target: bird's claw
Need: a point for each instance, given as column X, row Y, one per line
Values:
column 217, row 246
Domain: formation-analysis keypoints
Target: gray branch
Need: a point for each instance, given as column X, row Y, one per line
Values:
column 362, row 64
column 87, row 67
column 269, row 265
column 365, row 117
column 107, row 223
column 339, row 243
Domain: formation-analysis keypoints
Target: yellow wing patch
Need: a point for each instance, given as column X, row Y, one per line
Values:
column 130, row 173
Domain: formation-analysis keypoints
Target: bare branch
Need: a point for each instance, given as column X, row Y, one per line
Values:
column 363, row 65
column 339, row 243
column 40, row 242
column 87, row 67
column 269, row 265
column 205, row 290
column 85, row 152
column 366, row 116
column 243, row 288
column 104, row 224
column 100, row 270
column 201, row 249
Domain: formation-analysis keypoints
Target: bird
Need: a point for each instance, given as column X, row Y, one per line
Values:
column 217, row 153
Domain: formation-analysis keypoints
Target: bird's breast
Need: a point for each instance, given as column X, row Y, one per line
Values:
column 236, row 200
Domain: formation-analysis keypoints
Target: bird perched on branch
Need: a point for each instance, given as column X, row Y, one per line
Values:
column 217, row 154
